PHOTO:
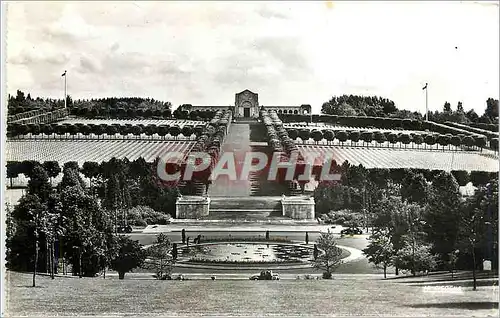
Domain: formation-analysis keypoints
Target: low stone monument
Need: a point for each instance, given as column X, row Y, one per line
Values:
column 299, row 208
column 192, row 207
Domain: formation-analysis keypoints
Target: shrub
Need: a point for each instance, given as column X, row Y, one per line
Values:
column 143, row 215
column 342, row 136
column 480, row 141
column 327, row 275
column 468, row 141
column 430, row 140
column 354, row 135
column 494, row 144
column 418, row 139
column 456, row 141
column 343, row 217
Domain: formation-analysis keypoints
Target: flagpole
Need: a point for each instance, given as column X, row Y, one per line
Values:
column 65, row 89
column 426, row 102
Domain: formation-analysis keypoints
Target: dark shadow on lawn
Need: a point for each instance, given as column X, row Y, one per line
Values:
column 441, row 276
column 445, row 280
column 473, row 305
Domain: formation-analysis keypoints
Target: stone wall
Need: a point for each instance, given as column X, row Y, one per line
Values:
column 192, row 207
column 298, row 208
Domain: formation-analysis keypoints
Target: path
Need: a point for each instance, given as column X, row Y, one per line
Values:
column 237, row 142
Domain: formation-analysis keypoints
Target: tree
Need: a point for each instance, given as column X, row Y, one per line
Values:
column 442, row 215
column 491, row 108
column 126, row 255
column 98, row 130
column 414, row 188
column 71, row 165
column 379, row 137
column 342, row 137
column 404, row 139
column 39, row 184
column 480, row 141
column 53, row 169
column 150, row 130
column 162, row 131
column 90, row 170
column 479, row 178
column 47, row 129
column 72, row 130
column 456, row 141
column 293, row 133
column 12, row 170
column 26, row 167
column 110, row 130
column 468, row 141
column 33, row 214
column 392, row 138
column 430, row 140
column 447, row 107
column 71, row 178
column 88, row 231
column 443, row 140
column 478, row 219
column 187, row 131
column 331, row 254
column 354, row 136
column 418, row 139
column 162, row 261
column 461, row 176
column 174, row 131
column 317, row 136
column 398, row 218
column 415, row 257
column 380, row 250
column 304, row 134
column 472, row 116
column 494, row 144
column 367, row 136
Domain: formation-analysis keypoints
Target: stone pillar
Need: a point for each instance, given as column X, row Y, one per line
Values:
column 298, row 208
column 192, row 207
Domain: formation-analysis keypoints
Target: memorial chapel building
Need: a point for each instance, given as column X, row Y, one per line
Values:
column 246, row 105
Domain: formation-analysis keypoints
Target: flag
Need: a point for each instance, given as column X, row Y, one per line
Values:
column 425, row 87
column 64, row 74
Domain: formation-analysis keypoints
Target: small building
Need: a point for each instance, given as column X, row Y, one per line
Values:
column 246, row 105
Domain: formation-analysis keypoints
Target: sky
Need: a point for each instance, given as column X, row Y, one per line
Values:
column 290, row 53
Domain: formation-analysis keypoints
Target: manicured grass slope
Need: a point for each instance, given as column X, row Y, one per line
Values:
column 405, row 158
column 91, row 150
column 338, row 297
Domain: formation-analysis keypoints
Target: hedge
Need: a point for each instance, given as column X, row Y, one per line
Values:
column 480, row 131
column 489, row 127
column 358, row 121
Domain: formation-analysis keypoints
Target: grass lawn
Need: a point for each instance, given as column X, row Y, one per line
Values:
column 338, row 297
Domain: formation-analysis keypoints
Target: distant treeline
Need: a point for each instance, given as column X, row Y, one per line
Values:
column 375, row 106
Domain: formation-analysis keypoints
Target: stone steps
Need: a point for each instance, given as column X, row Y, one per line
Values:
column 245, row 203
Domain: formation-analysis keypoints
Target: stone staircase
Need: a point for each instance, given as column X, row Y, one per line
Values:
column 195, row 188
column 245, row 207
column 259, row 180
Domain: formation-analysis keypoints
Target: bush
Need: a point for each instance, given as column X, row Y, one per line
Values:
column 143, row 215
column 327, row 275
column 343, row 217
